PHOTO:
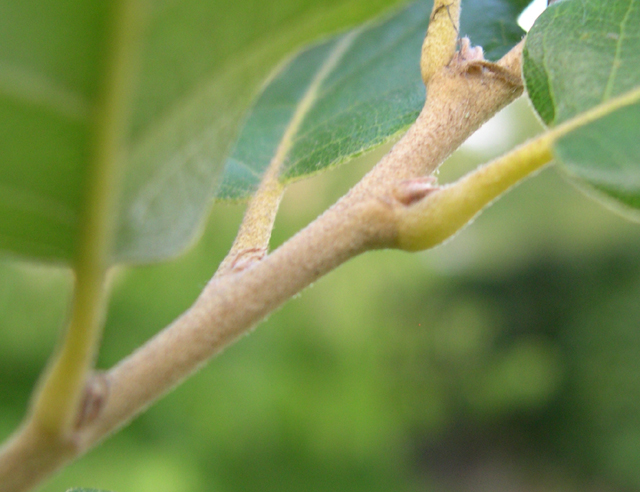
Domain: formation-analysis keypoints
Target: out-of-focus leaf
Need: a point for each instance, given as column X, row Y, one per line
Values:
column 580, row 55
column 49, row 76
column 351, row 93
column 203, row 62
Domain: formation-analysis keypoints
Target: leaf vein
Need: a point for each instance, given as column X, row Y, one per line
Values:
column 307, row 101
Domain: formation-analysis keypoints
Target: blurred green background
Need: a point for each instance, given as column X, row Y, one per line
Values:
column 506, row 359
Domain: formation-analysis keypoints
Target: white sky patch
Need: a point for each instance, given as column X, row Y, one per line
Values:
column 531, row 13
column 498, row 132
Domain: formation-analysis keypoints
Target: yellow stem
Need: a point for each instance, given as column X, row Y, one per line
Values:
column 439, row 215
column 440, row 42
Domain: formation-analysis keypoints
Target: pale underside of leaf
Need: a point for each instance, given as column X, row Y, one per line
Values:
column 176, row 161
column 173, row 168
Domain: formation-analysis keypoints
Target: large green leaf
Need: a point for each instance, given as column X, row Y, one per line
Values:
column 350, row 93
column 579, row 56
column 203, row 62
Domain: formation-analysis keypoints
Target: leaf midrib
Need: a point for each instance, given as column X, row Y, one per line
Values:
column 308, row 100
column 595, row 113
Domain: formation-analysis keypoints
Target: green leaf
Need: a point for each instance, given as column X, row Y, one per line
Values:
column 49, row 67
column 581, row 56
column 350, row 93
column 203, row 62
column 606, row 154
column 580, row 53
